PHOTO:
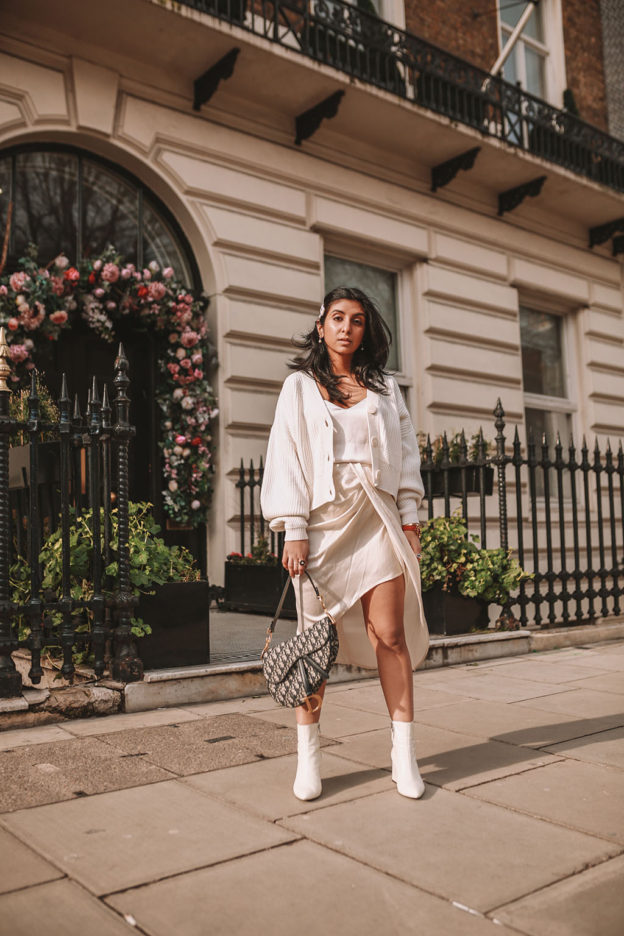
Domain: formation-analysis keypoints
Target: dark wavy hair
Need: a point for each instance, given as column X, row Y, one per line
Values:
column 369, row 361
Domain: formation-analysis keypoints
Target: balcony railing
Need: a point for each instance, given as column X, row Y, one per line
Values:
column 359, row 44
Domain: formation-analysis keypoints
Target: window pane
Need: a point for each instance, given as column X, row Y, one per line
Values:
column 510, row 68
column 535, row 82
column 511, row 12
column 159, row 244
column 379, row 284
column 542, row 358
column 110, row 212
column 46, row 204
column 539, row 422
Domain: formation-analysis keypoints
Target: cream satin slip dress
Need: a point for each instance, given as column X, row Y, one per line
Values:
column 356, row 542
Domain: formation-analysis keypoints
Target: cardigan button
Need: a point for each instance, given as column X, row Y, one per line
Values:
column 374, row 443
column 372, row 410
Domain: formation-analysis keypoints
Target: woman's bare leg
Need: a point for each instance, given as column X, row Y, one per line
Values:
column 383, row 614
column 310, row 718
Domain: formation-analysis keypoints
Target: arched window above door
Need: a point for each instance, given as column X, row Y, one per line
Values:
column 67, row 200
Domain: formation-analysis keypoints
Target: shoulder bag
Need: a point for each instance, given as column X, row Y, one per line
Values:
column 296, row 668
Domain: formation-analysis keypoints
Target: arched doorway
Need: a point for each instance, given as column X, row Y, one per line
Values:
column 67, row 200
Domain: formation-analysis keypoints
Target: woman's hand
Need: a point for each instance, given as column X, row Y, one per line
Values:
column 295, row 556
column 414, row 540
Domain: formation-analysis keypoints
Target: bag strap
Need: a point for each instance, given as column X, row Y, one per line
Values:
column 271, row 627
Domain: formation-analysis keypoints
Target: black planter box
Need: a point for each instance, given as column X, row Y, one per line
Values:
column 256, row 589
column 473, row 484
column 49, row 464
column 448, row 612
column 178, row 614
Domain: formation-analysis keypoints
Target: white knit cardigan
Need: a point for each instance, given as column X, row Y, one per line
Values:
column 298, row 473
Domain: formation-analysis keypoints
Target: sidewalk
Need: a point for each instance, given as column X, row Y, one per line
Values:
column 181, row 822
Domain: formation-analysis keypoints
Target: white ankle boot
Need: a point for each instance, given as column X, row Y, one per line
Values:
column 405, row 771
column 307, row 785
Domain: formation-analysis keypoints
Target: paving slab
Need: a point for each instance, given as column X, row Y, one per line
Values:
column 585, row 702
column 371, row 699
column 206, row 744
column 337, row 721
column 20, row 737
column 604, row 748
column 589, row 904
column 606, row 682
column 604, row 659
column 481, row 857
column 513, row 724
column 245, row 705
column 97, row 726
column 20, row 866
column 265, row 788
column 60, row 908
column 298, row 888
column 61, row 770
column 119, row 840
column 446, row 758
column 494, row 687
column 545, row 670
column 587, row 797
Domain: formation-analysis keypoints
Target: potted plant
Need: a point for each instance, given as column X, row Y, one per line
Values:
column 460, row 580
column 172, row 615
column 433, row 472
column 254, row 583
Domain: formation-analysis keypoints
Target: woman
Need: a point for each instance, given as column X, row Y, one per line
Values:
column 342, row 479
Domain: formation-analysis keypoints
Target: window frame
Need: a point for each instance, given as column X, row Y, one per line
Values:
column 402, row 337
column 144, row 193
column 568, row 404
column 551, row 48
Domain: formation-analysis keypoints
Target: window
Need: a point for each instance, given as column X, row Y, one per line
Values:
column 537, row 61
column 66, row 200
column 526, row 64
column 379, row 284
column 548, row 408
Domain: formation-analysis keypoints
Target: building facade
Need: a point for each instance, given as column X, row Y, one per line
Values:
column 332, row 148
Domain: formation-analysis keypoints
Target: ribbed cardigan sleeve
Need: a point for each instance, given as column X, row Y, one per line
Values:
column 285, row 496
column 411, row 487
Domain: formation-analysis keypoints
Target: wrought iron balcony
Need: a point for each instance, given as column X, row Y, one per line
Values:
column 338, row 34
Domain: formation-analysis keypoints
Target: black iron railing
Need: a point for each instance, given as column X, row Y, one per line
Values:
column 338, row 34
column 562, row 515
column 90, row 459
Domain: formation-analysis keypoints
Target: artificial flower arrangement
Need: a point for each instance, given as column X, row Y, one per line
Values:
column 38, row 303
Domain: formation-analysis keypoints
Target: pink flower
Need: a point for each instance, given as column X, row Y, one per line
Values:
column 157, row 291
column 58, row 287
column 110, row 273
column 18, row 281
column 59, row 318
column 197, row 357
column 147, row 274
column 18, row 352
column 99, row 292
column 189, row 338
column 186, row 363
column 61, row 261
column 126, row 273
column 173, row 337
column 167, row 272
column 3, row 290
column 180, row 439
column 13, row 324
column 195, row 505
column 154, row 267
column 97, row 265
column 111, row 306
